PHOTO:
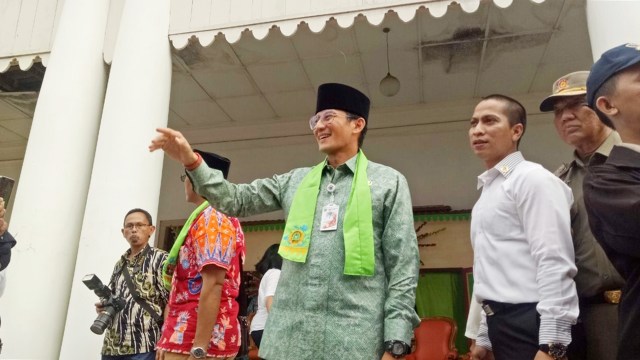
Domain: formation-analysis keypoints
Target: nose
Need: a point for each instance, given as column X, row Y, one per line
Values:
column 319, row 125
column 476, row 130
column 565, row 115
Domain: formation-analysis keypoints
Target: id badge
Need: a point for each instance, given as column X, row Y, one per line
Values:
column 329, row 219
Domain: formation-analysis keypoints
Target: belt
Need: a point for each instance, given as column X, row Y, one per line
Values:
column 607, row 297
column 491, row 307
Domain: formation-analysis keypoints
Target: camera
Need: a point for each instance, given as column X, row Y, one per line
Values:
column 110, row 304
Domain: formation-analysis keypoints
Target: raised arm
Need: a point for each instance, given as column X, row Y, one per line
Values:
column 175, row 145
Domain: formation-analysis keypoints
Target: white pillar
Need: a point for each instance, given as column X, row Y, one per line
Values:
column 54, row 180
column 612, row 23
column 125, row 175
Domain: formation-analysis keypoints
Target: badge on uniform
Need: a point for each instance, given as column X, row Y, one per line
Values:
column 329, row 219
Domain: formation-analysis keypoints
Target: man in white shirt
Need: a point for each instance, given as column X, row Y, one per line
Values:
column 523, row 253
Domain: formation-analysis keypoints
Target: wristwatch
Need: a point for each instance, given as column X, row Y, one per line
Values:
column 397, row 348
column 198, row 352
column 557, row 351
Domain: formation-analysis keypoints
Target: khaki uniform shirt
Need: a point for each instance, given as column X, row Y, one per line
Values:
column 596, row 274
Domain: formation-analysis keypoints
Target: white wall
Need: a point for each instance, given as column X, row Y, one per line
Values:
column 604, row 33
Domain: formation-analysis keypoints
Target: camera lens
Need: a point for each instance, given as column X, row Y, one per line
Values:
column 103, row 320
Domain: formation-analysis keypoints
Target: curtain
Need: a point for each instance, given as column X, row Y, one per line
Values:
column 443, row 294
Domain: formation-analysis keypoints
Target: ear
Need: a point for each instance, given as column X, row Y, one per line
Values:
column 516, row 132
column 122, row 231
column 151, row 230
column 359, row 124
column 604, row 104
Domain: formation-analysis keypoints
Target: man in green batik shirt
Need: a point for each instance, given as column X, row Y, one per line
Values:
column 348, row 281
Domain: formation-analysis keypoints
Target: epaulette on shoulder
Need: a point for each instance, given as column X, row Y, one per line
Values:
column 562, row 170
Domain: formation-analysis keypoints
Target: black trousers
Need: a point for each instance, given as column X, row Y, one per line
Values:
column 513, row 330
column 256, row 335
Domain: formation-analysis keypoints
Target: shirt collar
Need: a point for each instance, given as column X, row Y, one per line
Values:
column 125, row 256
column 504, row 167
column 604, row 149
column 624, row 155
column 634, row 147
column 609, row 142
column 350, row 164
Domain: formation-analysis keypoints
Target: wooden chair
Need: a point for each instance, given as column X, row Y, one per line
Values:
column 435, row 339
column 253, row 351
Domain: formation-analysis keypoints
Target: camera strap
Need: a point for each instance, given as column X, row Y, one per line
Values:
column 136, row 295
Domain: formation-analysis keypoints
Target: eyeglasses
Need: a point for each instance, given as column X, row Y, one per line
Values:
column 137, row 226
column 577, row 102
column 183, row 177
column 326, row 117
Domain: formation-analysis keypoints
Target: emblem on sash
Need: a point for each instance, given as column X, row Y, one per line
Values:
column 296, row 237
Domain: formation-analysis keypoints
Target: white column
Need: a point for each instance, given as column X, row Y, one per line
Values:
column 125, row 175
column 51, row 196
column 612, row 23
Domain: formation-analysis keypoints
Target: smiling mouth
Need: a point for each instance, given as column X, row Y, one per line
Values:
column 323, row 136
column 479, row 142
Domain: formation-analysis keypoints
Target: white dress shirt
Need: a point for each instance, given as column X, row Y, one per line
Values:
column 473, row 319
column 523, row 253
column 267, row 288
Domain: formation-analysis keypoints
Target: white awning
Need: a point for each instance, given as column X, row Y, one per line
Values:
column 24, row 61
column 27, row 30
column 206, row 19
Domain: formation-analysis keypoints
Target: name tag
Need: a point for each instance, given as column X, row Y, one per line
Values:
column 329, row 219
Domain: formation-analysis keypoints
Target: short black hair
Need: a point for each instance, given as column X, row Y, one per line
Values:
column 363, row 133
column 516, row 113
column 138, row 210
column 606, row 89
column 270, row 260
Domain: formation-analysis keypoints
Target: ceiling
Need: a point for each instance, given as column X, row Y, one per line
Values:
column 16, row 112
column 259, row 88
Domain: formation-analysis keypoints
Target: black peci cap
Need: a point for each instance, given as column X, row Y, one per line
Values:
column 215, row 161
column 343, row 97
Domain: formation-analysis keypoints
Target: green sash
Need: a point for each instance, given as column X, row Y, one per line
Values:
column 357, row 226
column 169, row 265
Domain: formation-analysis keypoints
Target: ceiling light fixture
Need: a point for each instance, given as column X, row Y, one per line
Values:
column 389, row 85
